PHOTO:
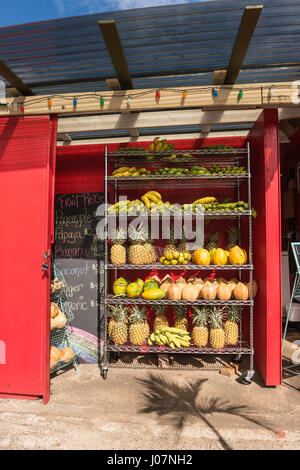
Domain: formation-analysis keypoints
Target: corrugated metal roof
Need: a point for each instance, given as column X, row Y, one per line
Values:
column 174, row 45
column 164, row 46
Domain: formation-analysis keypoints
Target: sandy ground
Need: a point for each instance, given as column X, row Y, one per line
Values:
column 154, row 409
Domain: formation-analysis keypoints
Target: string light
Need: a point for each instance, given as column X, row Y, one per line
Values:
column 44, row 100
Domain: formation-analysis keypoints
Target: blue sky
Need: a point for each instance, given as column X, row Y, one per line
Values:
column 22, row 11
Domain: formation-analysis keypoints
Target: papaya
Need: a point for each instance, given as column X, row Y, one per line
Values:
column 153, row 294
column 140, row 284
column 150, row 285
column 133, row 290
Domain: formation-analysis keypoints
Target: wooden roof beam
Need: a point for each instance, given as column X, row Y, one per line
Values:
column 14, row 80
column 113, row 43
column 20, row 88
column 242, row 41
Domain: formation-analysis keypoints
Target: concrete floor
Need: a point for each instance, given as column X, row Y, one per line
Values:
column 160, row 409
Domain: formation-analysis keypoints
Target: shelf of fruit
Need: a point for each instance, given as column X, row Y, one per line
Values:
column 161, row 150
column 159, row 266
column 215, row 330
column 113, row 299
column 190, row 291
column 151, row 203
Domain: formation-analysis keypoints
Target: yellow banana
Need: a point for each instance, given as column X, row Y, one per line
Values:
column 146, row 202
column 204, row 200
column 153, row 198
column 155, row 194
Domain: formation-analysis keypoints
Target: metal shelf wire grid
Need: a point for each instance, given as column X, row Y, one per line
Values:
column 118, row 299
column 241, row 348
column 228, row 181
column 62, row 365
column 208, row 214
column 182, row 267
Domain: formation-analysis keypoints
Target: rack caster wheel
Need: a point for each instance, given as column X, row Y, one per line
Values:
column 104, row 371
column 247, row 377
column 237, row 359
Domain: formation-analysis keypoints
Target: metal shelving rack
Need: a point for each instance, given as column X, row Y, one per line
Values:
column 223, row 157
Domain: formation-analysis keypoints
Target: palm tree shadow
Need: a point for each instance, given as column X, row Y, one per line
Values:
column 178, row 405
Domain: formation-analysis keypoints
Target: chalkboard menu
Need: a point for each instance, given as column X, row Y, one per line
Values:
column 79, row 256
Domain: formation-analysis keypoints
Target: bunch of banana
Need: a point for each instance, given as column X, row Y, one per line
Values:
column 136, row 207
column 130, row 171
column 160, row 146
column 151, row 196
column 170, row 336
column 163, row 208
column 121, row 207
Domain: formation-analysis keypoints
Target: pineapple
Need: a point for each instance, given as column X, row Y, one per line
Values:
column 139, row 328
column 160, row 319
column 200, row 330
column 119, row 329
column 180, row 319
column 171, row 245
column 182, row 245
column 231, row 325
column 113, row 314
column 118, row 251
column 137, row 252
column 150, row 253
column 212, row 241
column 233, row 235
column 217, row 334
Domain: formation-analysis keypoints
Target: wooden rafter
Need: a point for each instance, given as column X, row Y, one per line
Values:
column 14, row 80
column 243, row 38
column 113, row 43
column 20, row 87
column 242, row 41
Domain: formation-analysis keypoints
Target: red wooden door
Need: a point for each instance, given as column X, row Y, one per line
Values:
column 27, row 156
column 265, row 167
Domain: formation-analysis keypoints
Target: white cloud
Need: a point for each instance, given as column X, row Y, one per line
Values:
column 71, row 7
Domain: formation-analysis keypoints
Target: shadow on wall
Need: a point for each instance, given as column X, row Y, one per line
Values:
column 181, row 404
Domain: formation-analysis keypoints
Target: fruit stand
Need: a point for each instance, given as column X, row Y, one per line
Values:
column 173, row 282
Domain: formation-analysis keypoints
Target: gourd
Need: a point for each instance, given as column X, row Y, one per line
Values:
column 241, row 291
column 223, row 291
column 165, row 285
column 208, row 291
column 174, row 291
column 255, row 288
column 189, row 292
column 199, row 285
